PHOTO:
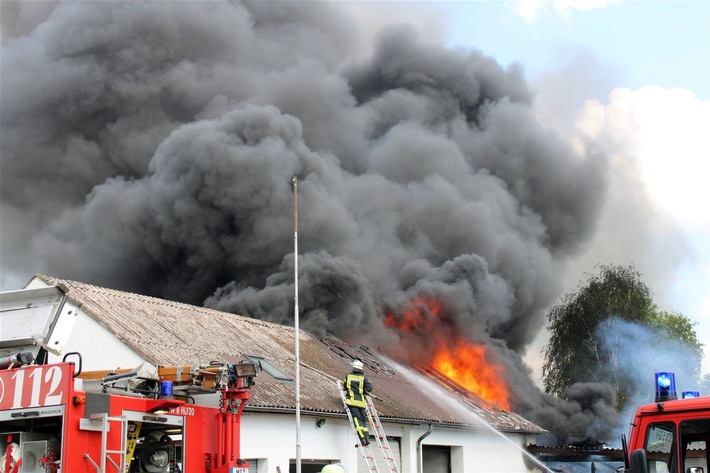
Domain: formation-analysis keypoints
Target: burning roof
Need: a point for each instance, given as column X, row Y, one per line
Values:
column 447, row 353
column 171, row 333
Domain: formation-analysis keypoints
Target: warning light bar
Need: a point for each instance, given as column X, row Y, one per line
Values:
column 665, row 386
column 690, row 394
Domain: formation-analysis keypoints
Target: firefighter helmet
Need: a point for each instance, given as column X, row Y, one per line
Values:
column 357, row 364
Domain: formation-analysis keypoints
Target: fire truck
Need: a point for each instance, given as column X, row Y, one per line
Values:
column 671, row 435
column 55, row 418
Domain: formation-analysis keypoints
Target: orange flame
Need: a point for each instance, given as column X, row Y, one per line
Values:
column 467, row 365
column 421, row 313
column 461, row 361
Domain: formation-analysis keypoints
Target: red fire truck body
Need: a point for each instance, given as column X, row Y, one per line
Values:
column 670, row 435
column 50, row 422
column 675, row 435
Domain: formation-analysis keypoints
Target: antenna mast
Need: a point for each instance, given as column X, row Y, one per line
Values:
column 294, row 181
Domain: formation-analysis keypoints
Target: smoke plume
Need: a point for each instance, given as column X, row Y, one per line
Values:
column 150, row 147
column 637, row 352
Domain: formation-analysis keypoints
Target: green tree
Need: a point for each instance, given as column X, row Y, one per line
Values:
column 674, row 327
column 573, row 353
column 576, row 352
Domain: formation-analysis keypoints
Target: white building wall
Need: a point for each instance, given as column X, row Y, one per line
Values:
column 482, row 449
column 99, row 348
column 271, row 439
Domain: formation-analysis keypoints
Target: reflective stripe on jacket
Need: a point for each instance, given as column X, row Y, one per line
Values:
column 356, row 386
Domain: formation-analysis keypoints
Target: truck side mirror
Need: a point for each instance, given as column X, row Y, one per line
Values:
column 637, row 462
column 625, row 450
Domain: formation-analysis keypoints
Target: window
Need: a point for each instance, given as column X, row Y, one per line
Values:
column 436, row 458
column 269, row 368
column 694, row 439
column 659, row 447
column 253, row 465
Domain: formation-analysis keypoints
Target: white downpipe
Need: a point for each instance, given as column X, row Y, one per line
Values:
column 420, row 456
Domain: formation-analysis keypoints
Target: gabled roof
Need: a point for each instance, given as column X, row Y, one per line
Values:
column 167, row 333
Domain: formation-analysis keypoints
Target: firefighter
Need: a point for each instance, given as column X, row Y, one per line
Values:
column 356, row 387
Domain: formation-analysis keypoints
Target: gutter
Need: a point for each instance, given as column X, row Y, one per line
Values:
column 420, row 460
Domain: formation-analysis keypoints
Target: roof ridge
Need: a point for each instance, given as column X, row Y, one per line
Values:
column 128, row 295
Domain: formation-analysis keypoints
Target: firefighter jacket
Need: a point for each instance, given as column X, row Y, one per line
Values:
column 356, row 386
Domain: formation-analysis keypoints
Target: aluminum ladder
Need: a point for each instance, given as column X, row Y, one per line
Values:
column 100, row 422
column 380, row 436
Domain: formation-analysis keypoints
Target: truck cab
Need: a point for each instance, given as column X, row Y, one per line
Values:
column 671, row 435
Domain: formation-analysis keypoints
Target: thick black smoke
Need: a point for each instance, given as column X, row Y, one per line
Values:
column 150, row 147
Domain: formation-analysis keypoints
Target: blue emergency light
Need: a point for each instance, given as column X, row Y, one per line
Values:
column 690, row 394
column 665, row 386
column 166, row 390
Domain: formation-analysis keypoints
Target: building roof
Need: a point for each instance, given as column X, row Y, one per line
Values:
column 167, row 333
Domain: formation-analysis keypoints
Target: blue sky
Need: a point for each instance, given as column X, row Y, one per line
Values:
column 639, row 42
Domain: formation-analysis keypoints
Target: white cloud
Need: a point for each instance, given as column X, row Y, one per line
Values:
column 530, row 9
column 665, row 130
column 565, row 5
column 704, row 310
column 674, row 150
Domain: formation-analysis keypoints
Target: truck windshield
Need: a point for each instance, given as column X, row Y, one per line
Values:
column 694, row 438
column 659, row 447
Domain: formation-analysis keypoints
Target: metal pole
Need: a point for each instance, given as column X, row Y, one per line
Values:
column 296, row 328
